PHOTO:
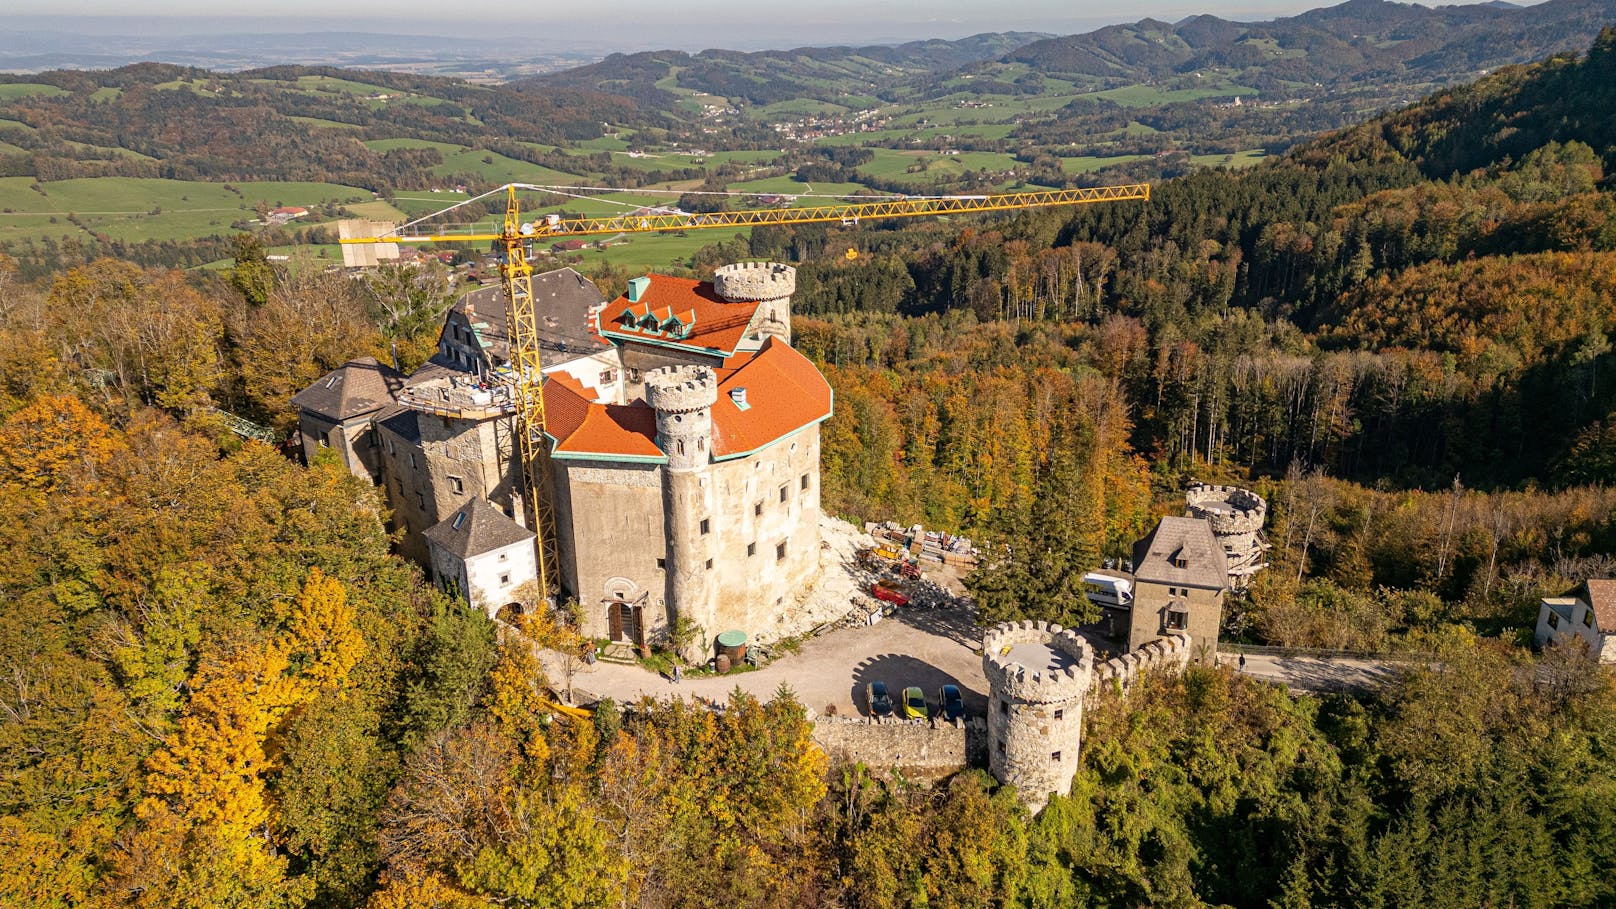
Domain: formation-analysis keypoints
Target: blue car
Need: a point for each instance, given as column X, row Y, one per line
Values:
column 880, row 700
column 953, row 704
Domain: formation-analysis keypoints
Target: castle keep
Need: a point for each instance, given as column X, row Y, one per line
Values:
column 683, row 441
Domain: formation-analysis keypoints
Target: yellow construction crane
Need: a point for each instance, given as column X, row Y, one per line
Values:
column 517, row 276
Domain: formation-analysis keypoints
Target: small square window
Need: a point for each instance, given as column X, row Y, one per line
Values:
column 504, row 580
column 706, row 525
column 804, row 481
column 504, row 557
column 457, row 484
column 1054, row 755
column 780, row 553
column 709, row 564
column 1060, row 714
column 751, row 549
column 662, row 564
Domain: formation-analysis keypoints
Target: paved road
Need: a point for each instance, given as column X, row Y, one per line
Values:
column 925, row 647
column 1315, row 674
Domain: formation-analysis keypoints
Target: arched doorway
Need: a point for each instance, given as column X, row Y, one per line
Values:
column 625, row 622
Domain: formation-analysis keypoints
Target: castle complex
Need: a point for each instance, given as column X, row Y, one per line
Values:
column 683, row 450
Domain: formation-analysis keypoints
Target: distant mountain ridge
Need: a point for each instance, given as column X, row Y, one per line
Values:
column 769, row 77
column 1358, row 39
column 1404, row 47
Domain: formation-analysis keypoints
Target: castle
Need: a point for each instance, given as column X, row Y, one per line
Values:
column 682, row 434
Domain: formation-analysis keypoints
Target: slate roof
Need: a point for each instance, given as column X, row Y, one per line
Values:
column 564, row 302
column 1189, row 540
column 356, row 387
column 402, row 423
column 1602, row 600
column 712, row 324
column 481, row 528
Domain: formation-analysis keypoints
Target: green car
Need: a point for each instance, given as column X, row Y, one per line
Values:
column 914, row 704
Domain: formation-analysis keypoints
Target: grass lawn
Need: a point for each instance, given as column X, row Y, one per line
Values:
column 1244, row 158
column 1149, row 95
column 490, row 166
column 647, row 252
column 1089, row 163
column 10, row 90
column 135, row 209
column 327, row 124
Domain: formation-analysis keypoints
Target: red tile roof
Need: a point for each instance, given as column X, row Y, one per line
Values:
column 718, row 325
column 784, row 393
column 1602, row 600
column 583, row 428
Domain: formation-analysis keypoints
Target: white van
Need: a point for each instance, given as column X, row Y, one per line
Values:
column 1107, row 590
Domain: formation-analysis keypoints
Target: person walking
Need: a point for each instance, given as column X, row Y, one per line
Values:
column 1242, row 662
column 678, row 676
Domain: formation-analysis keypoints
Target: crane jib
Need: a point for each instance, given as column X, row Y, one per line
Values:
column 847, row 213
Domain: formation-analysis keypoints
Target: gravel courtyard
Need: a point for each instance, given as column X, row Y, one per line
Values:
column 925, row 647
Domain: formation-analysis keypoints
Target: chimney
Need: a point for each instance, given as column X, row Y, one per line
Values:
column 738, row 395
column 637, row 288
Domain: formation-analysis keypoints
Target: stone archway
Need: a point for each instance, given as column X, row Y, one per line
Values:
column 624, row 602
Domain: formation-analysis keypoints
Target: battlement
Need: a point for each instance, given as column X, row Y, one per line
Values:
column 1229, row 509
column 1036, row 662
column 681, row 389
column 746, row 282
column 1171, row 653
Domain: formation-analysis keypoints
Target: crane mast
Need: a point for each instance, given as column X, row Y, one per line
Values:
column 516, row 273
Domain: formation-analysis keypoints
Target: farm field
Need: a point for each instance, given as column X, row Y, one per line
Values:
column 135, row 209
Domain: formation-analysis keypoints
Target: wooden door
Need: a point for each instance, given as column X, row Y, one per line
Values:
column 614, row 619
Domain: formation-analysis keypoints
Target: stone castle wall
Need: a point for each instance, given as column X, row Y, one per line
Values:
column 928, row 750
column 1171, row 653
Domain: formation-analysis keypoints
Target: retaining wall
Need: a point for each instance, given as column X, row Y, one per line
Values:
column 926, row 750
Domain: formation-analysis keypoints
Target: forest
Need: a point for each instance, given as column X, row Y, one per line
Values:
column 222, row 689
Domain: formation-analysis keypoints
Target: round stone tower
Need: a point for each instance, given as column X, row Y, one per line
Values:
column 1237, row 516
column 768, row 283
column 1038, row 675
column 683, row 397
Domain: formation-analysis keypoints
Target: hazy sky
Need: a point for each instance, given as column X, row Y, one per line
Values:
column 631, row 24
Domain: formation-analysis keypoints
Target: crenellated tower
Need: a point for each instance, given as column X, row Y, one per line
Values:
column 683, row 397
column 770, row 284
column 1237, row 516
column 1038, row 675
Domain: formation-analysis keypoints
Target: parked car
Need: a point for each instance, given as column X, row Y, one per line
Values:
column 890, row 594
column 950, row 702
column 914, row 704
column 880, row 701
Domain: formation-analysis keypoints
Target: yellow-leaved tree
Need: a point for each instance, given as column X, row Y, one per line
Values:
column 206, row 831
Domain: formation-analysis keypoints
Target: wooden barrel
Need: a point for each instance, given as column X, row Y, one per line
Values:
column 723, row 663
